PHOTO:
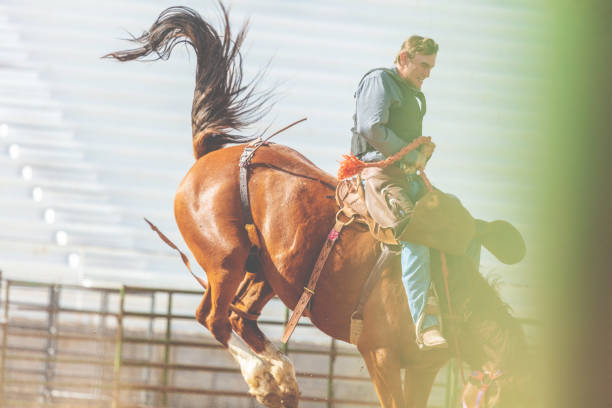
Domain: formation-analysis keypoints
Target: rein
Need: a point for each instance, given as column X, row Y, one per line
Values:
column 446, row 290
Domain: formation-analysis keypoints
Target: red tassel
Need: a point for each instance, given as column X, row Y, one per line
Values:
column 349, row 166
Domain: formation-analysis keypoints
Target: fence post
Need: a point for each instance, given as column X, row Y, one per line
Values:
column 147, row 377
column 285, row 346
column 51, row 346
column 167, row 347
column 118, row 350
column 330, row 378
column 101, row 347
column 4, row 339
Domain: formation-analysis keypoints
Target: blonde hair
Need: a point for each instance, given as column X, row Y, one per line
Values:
column 417, row 44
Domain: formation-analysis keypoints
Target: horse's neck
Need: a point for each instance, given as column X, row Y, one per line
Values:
column 488, row 331
column 500, row 344
column 491, row 336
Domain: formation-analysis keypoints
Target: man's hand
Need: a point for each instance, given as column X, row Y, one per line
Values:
column 427, row 150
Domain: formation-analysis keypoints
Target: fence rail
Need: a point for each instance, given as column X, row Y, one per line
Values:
column 125, row 351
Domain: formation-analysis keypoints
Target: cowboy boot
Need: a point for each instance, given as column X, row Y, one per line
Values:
column 430, row 338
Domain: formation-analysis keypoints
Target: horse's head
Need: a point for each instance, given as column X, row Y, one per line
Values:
column 498, row 353
column 491, row 341
column 494, row 389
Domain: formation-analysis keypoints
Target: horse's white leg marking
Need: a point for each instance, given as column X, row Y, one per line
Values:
column 269, row 375
column 283, row 372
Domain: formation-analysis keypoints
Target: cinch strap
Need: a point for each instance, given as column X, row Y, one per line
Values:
column 309, row 289
column 243, row 164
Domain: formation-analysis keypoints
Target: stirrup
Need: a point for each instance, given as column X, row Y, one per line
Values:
column 431, row 308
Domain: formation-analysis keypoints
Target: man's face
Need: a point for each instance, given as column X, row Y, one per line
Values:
column 416, row 69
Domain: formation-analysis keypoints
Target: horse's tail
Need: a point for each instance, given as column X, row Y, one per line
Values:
column 221, row 103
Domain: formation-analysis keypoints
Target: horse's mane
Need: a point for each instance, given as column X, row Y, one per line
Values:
column 486, row 327
column 222, row 104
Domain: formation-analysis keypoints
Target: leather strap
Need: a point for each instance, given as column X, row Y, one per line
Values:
column 386, row 255
column 243, row 164
column 242, row 313
column 309, row 289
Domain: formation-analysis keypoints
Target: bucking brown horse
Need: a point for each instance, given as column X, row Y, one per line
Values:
column 293, row 209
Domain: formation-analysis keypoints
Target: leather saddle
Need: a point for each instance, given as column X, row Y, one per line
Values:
column 350, row 196
column 438, row 220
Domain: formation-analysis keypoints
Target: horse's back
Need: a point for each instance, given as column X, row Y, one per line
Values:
column 220, row 167
column 291, row 202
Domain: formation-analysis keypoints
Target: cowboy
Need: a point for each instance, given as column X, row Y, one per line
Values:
column 389, row 115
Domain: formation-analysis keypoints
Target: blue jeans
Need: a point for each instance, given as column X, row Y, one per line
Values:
column 416, row 274
column 416, row 277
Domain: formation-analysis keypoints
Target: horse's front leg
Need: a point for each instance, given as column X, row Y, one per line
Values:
column 417, row 386
column 384, row 368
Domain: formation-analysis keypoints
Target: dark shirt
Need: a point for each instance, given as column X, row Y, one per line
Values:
column 388, row 115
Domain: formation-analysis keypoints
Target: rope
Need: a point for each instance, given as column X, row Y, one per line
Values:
column 242, row 313
column 258, row 143
column 446, row 290
column 283, row 129
column 450, row 311
column 351, row 165
column 171, row 244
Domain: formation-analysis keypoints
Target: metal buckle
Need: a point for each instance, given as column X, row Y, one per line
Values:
column 246, row 156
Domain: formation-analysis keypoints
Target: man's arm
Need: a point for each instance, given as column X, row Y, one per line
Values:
column 374, row 98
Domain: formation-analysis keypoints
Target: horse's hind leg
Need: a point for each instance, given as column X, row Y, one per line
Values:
column 225, row 269
column 252, row 295
column 269, row 374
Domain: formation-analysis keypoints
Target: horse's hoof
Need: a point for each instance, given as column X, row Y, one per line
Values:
column 290, row 401
column 270, row 400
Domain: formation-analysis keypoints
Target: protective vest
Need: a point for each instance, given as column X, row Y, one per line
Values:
column 405, row 118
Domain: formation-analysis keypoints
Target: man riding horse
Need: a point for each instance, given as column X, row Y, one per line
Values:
column 252, row 253
column 389, row 115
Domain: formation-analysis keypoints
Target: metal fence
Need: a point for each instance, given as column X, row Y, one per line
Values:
column 74, row 346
